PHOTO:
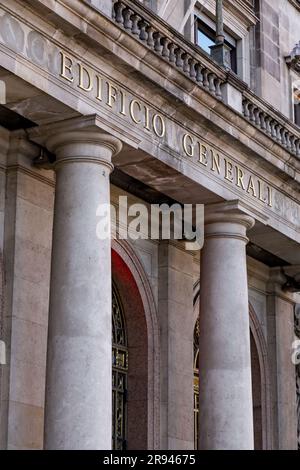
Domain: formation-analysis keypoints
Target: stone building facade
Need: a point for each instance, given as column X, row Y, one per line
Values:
column 143, row 344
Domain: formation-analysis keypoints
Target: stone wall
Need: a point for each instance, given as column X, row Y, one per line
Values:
column 27, row 252
column 276, row 35
column 4, row 139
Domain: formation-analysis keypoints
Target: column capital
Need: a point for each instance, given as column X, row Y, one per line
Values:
column 227, row 220
column 78, row 140
column 84, row 146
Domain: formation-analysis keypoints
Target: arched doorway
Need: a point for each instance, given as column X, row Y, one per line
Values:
column 139, row 317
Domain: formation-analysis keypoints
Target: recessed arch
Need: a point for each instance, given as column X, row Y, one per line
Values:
column 140, row 312
column 119, row 373
column 261, row 347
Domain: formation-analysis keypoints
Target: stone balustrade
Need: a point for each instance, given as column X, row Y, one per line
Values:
column 272, row 124
column 172, row 51
column 196, row 65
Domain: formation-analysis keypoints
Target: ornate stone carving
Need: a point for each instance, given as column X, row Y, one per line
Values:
column 294, row 59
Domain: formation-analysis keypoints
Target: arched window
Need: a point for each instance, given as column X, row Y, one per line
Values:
column 196, row 384
column 119, row 374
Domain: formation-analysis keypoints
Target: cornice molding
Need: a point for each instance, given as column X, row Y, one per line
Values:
column 125, row 43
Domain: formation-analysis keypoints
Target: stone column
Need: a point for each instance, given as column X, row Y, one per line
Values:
column 78, row 385
column 225, row 398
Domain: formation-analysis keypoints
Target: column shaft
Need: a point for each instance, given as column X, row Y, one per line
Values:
column 78, row 387
column 225, row 399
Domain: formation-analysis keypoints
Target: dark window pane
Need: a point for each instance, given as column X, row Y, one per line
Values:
column 297, row 114
column 119, row 374
column 233, row 58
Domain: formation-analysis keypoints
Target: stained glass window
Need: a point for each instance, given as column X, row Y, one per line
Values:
column 119, row 374
column 196, row 384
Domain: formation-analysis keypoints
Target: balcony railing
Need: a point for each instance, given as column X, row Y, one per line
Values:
column 172, row 47
column 178, row 53
column 272, row 123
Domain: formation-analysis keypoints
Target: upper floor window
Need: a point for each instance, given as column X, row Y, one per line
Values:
column 205, row 37
column 293, row 63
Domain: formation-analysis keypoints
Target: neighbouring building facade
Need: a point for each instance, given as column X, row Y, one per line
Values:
column 140, row 343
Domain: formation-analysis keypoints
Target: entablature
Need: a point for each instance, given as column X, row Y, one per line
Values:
column 144, row 45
